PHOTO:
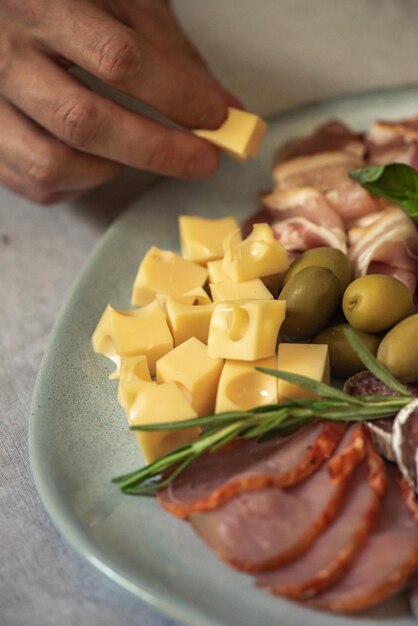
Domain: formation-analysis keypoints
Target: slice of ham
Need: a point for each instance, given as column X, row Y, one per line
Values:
column 259, row 530
column 328, row 173
column 389, row 244
column 389, row 142
column 334, row 551
column 331, row 136
column 388, row 558
column 247, row 465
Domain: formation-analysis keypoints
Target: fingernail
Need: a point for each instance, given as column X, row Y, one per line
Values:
column 214, row 116
column 204, row 163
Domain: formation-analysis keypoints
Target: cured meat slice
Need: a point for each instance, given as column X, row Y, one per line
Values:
column 332, row 136
column 328, row 173
column 259, row 530
column 387, row 559
column 364, row 384
column 390, row 240
column 389, row 142
column 305, row 202
column 299, row 234
column 247, row 465
column 405, row 442
column 333, row 552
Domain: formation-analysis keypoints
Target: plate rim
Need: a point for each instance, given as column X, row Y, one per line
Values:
column 171, row 604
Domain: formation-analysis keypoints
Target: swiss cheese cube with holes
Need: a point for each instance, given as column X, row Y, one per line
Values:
column 240, row 135
column 138, row 332
column 158, row 404
column 163, row 271
column 253, row 289
column 242, row 387
column 246, row 330
column 188, row 320
column 260, row 254
column 134, row 372
column 305, row 359
column 197, row 374
column 201, row 238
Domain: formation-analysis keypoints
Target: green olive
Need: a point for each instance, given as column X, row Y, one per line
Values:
column 376, row 302
column 312, row 297
column 398, row 350
column 331, row 258
column 343, row 360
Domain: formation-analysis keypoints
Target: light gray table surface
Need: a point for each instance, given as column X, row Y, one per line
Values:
column 274, row 54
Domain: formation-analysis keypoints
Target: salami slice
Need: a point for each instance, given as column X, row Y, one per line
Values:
column 405, row 442
column 247, row 465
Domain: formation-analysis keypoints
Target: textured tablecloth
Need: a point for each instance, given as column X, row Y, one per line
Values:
column 274, row 54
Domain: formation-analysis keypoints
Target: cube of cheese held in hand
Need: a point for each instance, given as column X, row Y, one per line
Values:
column 240, row 135
column 196, row 373
column 260, row 254
column 242, row 387
column 163, row 271
column 246, row 330
column 137, row 332
column 306, row 359
column 201, row 238
column 158, row 404
column 188, row 320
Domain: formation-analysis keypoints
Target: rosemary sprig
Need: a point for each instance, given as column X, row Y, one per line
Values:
column 263, row 422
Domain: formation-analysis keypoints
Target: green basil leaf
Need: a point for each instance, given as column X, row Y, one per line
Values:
column 397, row 182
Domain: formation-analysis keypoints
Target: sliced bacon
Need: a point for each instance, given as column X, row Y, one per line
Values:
column 331, row 136
column 390, row 241
column 334, row 551
column 328, row 173
column 305, row 202
column 387, row 559
column 262, row 529
column 247, row 465
column 389, row 142
column 299, row 234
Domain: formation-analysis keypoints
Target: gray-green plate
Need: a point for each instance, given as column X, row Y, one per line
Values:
column 79, row 437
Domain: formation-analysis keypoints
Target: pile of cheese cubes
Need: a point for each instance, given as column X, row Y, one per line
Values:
column 182, row 353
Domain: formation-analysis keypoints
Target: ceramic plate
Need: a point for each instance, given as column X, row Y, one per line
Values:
column 79, row 437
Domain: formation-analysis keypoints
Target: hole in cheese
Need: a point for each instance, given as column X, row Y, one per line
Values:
column 238, row 321
column 248, row 390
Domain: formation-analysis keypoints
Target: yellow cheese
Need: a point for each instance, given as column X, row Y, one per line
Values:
column 246, row 330
column 201, row 238
column 187, row 320
column 247, row 290
column 158, row 404
column 305, row 359
column 127, row 333
column 195, row 296
column 215, row 271
column 241, row 387
column 240, row 135
column 128, row 391
column 162, row 271
column 260, row 254
column 194, row 371
column 133, row 372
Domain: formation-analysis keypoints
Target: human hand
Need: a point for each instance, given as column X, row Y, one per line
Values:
column 58, row 138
